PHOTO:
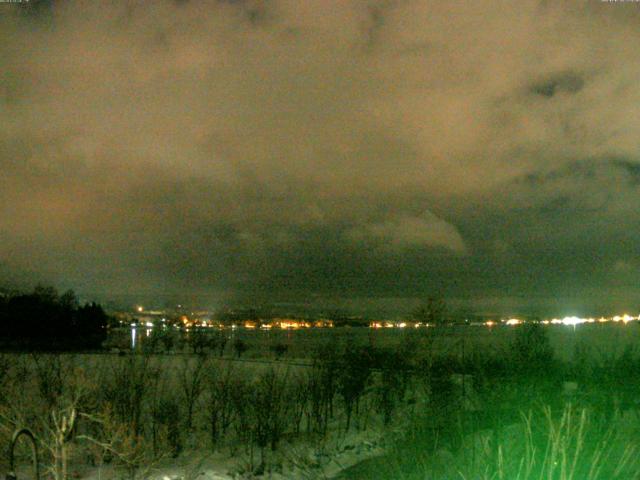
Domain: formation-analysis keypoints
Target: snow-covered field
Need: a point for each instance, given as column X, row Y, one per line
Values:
column 360, row 408
column 153, row 413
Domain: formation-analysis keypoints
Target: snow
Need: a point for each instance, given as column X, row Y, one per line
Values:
column 297, row 460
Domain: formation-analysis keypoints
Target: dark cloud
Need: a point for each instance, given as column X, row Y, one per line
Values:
column 579, row 169
column 566, row 82
column 338, row 148
column 632, row 169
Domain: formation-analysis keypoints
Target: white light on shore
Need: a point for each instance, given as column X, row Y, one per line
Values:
column 572, row 321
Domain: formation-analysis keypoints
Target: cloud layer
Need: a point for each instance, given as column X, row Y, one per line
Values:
column 346, row 148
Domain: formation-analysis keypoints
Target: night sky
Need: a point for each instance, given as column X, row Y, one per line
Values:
column 294, row 149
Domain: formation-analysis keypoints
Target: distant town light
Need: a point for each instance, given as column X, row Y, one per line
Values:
column 573, row 321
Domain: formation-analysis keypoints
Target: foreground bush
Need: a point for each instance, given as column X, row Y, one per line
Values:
column 566, row 445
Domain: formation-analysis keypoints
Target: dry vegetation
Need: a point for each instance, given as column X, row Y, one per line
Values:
column 513, row 413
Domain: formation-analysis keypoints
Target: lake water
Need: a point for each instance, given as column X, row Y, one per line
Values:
column 596, row 339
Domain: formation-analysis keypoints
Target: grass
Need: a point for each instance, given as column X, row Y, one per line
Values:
column 527, row 426
column 571, row 445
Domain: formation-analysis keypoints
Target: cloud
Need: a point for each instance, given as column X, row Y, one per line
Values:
column 399, row 233
column 563, row 82
column 222, row 145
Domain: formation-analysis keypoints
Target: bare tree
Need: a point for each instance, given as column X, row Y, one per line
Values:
column 353, row 375
column 219, row 385
column 125, row 388
column 191, row 376
column 433, row 311
column 49, row 373
column 59, row 427
column 268, row 409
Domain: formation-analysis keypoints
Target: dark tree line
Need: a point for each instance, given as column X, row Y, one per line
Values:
column 44, row 320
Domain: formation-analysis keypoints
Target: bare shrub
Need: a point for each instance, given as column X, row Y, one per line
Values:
column 270, row 407
column 299, row 393
column 49, row 374
column 125, row 388
column 391, row 382
column 161, row 340
column 531, row 350
column 241, row 401
column 219, row 386
column 57, row 424
column 191, row 376
column 5, row 374
column 268, row 411
column 321, row 386
column 60, row 431
column 353, row 374
column 169, row 339
column 260, row 412
column 115, row 441
column 166, row 415
column 279, row 349
column 240, row 347
column 221, row 342
column 200, row 340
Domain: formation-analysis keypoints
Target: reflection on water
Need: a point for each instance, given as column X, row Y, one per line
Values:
column 299, row 342
column 611, row 337
column 133, row 338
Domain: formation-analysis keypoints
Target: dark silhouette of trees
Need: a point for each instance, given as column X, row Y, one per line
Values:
column 531, row 349
column 433, row 311
column 353, row 375
column 43, row 320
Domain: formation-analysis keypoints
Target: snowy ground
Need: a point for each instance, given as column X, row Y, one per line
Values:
column 291, row 461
